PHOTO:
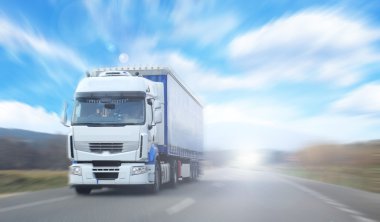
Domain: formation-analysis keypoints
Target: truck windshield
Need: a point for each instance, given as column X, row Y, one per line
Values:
column 109, row 111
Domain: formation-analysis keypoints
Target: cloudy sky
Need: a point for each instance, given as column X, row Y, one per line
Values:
column 272, row 74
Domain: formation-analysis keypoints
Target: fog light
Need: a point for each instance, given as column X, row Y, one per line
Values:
column 138, row 170
column 76, row 170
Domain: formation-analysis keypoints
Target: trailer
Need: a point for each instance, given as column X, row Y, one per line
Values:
column 133, row 127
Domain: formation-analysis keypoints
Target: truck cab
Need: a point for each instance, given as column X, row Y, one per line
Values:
column 113, row 134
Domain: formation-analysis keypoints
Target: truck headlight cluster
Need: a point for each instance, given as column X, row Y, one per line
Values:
column 138, row 170
column 76, row 170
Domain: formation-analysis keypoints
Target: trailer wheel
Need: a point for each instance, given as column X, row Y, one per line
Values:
column 193, row 173
column 174, row 175
column 196, row 173
column 154, row 188
column 82, row 190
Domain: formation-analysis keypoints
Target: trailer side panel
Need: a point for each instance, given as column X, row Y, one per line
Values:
column 183, row 119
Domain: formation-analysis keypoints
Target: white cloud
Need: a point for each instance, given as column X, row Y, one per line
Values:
column 22, row 40
column 272, row 124
column 187, row 21
column 192, row 21
column 339, row 128
column 199, row 78
column 110, row 19
column 313, row 45
column 363, row 100
column 250, row 124
column 19, row 115
column 264, row 113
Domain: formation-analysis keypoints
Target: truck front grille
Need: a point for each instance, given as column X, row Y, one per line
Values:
column 110, row 147
column 106, row 163
column 106, row 176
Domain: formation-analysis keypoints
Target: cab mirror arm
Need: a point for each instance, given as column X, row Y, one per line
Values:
column 64, row 115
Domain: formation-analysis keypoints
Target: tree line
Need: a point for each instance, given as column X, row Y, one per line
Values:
column 26, row 153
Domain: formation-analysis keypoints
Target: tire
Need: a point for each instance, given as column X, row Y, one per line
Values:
column 154, row 188
column 83, row 190
column 173, row 175
column 191, row 179
column 196, row 173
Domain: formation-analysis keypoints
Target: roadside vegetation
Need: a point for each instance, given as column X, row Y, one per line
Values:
column 31, row 161
column 354, row 165
column 12, row 181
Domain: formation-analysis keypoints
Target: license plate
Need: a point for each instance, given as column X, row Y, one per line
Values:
column 106, row 182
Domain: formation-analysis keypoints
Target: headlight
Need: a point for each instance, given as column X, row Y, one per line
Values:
column 138, row 170
column 76, row 170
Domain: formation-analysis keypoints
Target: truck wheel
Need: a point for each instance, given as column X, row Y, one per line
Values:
column 82, row 190
column 196, row 173
column 154, row 188
column 174, row 175
column 193, row 175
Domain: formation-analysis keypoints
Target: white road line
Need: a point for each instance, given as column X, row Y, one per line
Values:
column 12, row 194
column 180, row 206
column 348, row 210
column 363, row 219
column 33, row 204
column 335, row 204
column 355, row 214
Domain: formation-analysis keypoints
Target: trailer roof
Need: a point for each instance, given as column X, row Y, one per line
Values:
column 146, row 71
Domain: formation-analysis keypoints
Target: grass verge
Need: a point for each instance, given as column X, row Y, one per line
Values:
column 30, row 180
column 364, row 178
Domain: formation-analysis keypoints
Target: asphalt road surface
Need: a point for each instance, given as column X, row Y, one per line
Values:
column 226, row 194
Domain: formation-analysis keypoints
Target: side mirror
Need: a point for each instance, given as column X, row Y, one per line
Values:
column 158, row 116
column 64, row 115
column 157, row 104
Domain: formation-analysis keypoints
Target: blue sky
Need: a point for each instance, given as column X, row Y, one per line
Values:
column 272, row 74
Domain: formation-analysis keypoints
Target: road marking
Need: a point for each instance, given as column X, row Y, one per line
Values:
column 33, row 204
column 12, row 194
column 350, row 211
column 355, row 214
column 180, row 206
column 363, row 219
column 335, row 204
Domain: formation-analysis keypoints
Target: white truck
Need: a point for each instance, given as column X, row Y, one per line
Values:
column 133, row 127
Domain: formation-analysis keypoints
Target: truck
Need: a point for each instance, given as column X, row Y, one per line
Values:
column 133, row 126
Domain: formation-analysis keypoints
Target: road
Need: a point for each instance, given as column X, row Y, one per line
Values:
column 225, row 194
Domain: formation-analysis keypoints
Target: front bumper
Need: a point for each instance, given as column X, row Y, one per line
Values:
column 121, row 175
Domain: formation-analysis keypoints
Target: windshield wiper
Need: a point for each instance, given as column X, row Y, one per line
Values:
column 103, row 124
column 87, row 124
